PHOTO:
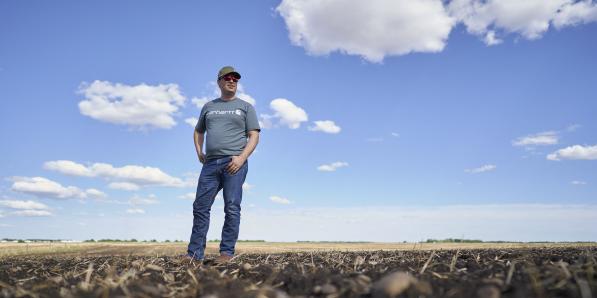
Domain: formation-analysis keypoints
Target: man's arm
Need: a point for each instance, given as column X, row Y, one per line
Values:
column 198, row 138
column 238, row 161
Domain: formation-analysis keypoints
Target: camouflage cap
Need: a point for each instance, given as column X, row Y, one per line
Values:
column 226, row 70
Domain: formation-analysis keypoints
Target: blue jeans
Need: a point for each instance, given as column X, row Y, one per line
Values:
column 213, row 178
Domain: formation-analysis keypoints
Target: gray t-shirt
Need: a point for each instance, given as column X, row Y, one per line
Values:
column 227, row 124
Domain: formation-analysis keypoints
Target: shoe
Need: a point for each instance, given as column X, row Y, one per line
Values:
column 187, row 258
column 222, row 259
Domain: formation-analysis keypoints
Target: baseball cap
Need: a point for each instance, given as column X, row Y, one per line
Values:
column 226, row 70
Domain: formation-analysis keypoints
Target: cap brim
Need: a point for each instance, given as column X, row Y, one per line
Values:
column 236, row 74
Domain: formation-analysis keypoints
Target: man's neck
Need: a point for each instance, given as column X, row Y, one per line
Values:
column 228, row 96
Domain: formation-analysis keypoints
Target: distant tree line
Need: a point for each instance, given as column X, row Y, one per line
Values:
column 453, row 240
column 126, row 240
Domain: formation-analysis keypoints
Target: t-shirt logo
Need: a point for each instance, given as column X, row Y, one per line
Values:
column 237, row 112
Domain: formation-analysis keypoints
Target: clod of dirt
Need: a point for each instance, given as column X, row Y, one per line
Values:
column 393, row 284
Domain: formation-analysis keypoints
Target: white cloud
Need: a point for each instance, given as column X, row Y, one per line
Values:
column 137, row 200
column 543, row 138
column 266, row 121
column 132, row 174
column 395, row 134
column 287, row 112
column 279, row 200
column 575, row 13
column 240, row 93
column 94, row 193
column 332, row 166
column 137, row 106
column 32, row 213
column 16, row 204
column 43, row 187
column 192, row 121
column 200, row 102
column 490, row 38
column 124, row 186
column 379, row 28
column 326, row 126
column 485, row 168
column 371, row 29
column 135, row 211
column 575, row 152
column 187, row 196
column 247, row 186
column 68, row 167
column 576, row 182
column 529, row 18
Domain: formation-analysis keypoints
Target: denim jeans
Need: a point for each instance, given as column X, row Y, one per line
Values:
column 213, row 178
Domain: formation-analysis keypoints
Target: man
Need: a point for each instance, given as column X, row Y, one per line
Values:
column 228, row 121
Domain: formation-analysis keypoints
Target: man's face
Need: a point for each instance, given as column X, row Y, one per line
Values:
column 228, row 83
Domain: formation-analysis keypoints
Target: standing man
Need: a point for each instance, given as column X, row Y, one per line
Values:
column 232, row 134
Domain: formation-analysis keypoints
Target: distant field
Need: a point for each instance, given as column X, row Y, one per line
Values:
column 169, row 249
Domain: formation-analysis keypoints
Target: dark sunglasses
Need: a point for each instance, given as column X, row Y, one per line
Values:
column 229, row 79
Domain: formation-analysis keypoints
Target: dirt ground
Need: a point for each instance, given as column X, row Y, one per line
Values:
column 530, row 271
column 175, row 248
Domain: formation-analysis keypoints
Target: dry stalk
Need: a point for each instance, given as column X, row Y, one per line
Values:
column 189, row 272
column 427, row 263
column 88, row 276
column 510, row 273
column 453, row 263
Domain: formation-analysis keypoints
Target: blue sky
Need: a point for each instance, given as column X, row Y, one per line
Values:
column 383, row 121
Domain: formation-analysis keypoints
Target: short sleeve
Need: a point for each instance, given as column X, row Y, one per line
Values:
column 200, row 127
column 251, row 120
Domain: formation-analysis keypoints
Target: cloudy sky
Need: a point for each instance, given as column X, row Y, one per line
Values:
column 383, row 120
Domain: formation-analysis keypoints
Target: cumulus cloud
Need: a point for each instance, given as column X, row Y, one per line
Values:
column 187, row 196
column 124, row 186
column 481, row 169
column 134, row 175
column 192, row 121
column 539, row 139
column 137, row 200
column 576, row 13
column 43, row 187
column 247, row 186
column 137, row 106
column 68, row 167
column 32, row 213
column 326, row 126
column 529, row 18
column 370, row 29
column 16, row 204
column 286, row 112
column 575, row 152
column 490, row 38
column 379, row 28
column 576, row 182
column 279, row 200
column 200, row 102
column 332, row 166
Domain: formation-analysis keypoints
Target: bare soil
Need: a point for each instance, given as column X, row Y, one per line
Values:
column 504, row 272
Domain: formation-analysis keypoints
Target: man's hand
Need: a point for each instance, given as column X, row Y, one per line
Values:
column 201, row 157
column 235, row 164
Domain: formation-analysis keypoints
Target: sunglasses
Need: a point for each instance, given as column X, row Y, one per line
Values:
column 229, row 79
